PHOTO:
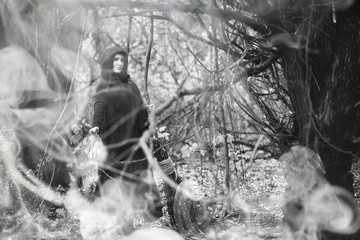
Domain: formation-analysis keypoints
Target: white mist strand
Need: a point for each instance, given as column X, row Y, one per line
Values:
column 143, row 144
column 72, row 79
column 20, row 72
column 332, row 208
column 148, row 153
column 154, row 234
column 9, row 160
column 311, row 203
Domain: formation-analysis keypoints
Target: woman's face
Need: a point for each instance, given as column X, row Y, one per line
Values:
column 118, row 63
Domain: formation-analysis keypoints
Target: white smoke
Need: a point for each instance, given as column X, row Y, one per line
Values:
column 57, row 61
column 311, row 203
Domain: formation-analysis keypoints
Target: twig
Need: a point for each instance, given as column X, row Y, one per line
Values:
column 253, row 154
column 148, row 55
column 129, row 35
column 251, row 20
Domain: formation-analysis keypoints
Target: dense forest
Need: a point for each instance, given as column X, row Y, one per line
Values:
column 256, row 117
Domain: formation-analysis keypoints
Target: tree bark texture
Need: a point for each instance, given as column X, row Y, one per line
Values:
column 339, row 112
column 323, row 83
column 323, row 80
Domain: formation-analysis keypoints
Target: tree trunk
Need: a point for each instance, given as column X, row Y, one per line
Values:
column 323, row 83
column 339, row 111
column 324, row 90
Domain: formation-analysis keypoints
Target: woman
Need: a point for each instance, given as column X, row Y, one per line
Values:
column 120, row 118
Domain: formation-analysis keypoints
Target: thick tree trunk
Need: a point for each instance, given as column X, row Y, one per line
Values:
column 323, row 82
column 295, row 74
column 338, row 114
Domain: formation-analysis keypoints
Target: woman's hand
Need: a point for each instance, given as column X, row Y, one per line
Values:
column 94, row 130
column 150, row 107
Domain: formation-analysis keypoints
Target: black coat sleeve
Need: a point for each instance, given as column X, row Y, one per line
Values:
column 99, row 110
column 142, row 118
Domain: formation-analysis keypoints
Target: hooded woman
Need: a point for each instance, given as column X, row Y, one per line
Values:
column 120, row 117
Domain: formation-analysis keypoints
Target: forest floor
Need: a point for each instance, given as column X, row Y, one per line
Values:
column 256, row 198
column 255, row 214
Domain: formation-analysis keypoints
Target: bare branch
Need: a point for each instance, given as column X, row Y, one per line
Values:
column 272, row 59
column 253, row 154
column 219, row 87
column 111, row 39
column 148, row 55
column 214, row 42
column 129, row 34
column 252, row 21
column 198, row 60
column 188, row 33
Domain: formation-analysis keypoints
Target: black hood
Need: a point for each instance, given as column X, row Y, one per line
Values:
column 106, row 64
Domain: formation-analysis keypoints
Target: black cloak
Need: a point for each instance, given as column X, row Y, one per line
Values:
column 120, row 114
